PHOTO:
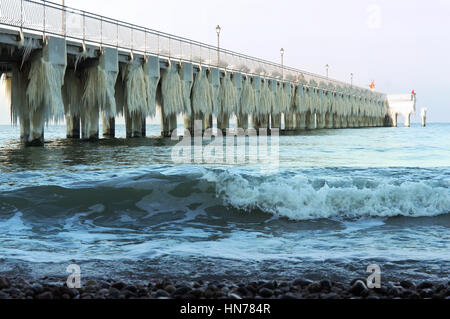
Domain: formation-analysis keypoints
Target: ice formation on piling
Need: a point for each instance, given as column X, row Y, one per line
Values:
column 247, row 103
column 215, row 94
column 72, row 93
column 135, row 97
column 5, row 89
column 151, row 85
column 227, row 95
column 44, row 90
column 202, row 101
column 265, row 99
column 99, row 90
column 172, row 93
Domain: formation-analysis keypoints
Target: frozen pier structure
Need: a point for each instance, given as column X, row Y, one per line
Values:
column 60, row 63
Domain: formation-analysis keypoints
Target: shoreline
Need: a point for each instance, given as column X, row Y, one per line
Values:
column 54, row 288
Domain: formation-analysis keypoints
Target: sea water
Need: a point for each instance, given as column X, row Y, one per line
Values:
column 338, row 201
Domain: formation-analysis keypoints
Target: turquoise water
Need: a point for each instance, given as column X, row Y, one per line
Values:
column 329, row 204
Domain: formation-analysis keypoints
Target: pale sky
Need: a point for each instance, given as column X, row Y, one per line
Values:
column 401, row 44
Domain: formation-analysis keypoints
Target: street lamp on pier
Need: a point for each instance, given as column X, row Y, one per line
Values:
column 282, row 63
column 218, row 29
column 327, row 67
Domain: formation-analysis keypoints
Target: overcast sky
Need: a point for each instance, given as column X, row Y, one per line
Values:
column 402, row 45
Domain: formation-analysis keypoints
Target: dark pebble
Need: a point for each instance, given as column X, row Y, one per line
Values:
column 326, row 284
column 359, row 288
column 302, row 282
column 426, row 293
column 407, row 284
column 314, row 288
column 162, row 293
column 265, row 293
column 425, row 285
column 118, row 285
column 45, row 295
column 244, row 292
column 4, row 283
column 182, row 291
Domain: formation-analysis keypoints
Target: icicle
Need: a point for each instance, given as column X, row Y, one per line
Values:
column 201, row 94
column 26, row 45
column 72, row 93
column 135, row 90
column 44, row 90
column 247, row 101
column 172, row 93
column 99, row 90
column 5, row 92
column 227, row 95
column 151, row 85
column 265, row 99
column 214, row 85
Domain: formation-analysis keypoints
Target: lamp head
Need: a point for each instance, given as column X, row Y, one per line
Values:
column 282, row 51
column 218, row 29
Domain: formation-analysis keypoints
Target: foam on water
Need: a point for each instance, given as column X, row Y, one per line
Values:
column 296, row 197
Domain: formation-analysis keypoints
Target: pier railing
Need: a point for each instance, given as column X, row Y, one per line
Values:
column 46, row 17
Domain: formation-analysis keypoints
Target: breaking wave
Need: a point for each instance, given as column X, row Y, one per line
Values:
column 296, row 195
column 299, row 197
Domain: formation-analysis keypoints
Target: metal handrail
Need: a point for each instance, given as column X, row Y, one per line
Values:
column 64, row 11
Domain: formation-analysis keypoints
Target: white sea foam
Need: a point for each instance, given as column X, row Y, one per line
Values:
column 297, row 198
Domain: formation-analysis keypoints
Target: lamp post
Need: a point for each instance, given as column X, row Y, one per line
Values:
column 282, row 63
column 327, row 67
column 218, row 29
column 351, row 78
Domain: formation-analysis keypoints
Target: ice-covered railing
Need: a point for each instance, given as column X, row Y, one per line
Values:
column 51, row 18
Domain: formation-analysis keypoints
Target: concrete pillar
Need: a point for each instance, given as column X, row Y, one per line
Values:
column 407, row 118
column 276, row 121
column 423, row 114
column 310, row 120
column 137, row 124
column 209, row 122
column 223, row 123
column 109, row 126
column 168, row 124
column 300, row 121
column 144, row 128
column 395, row 120
column 320, row 120
column 73, row 126
column 290, row 122
column 329, row 119
column 242, row 121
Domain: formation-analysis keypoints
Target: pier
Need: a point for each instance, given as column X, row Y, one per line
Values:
column 63, row 64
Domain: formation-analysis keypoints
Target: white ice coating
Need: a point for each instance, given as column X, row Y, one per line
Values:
column 266, row 100
column 72, row 93
column 99, row 90
column 215, row 95
column 44, row 90
column 202, row 100
column 227, row 95
column 247, row 103
column 151, row 85
column 172, row 93
column 136, row 102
